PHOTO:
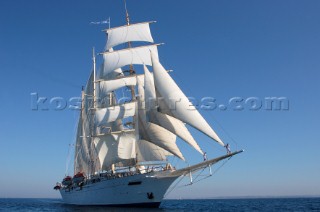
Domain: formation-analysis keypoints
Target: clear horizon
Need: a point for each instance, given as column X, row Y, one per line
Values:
column 229, row 197
column 224, row 50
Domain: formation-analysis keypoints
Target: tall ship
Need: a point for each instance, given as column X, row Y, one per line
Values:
column 132, row 112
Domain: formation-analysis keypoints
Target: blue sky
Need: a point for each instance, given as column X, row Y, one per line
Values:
column 221, row 49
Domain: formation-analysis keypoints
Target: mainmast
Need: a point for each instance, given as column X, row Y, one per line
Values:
column 132, row 72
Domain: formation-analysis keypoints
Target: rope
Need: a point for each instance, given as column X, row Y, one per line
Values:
column 199, row 174
column 173, row 187
column 224, row 130
column 215, row 171
column 68, row 160
column 207, row 176
column 213, row 118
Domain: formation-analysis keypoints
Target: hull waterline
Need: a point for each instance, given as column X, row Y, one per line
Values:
column 140, row 190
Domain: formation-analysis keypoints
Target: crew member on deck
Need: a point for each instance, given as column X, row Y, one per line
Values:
column 228, row 149
column 204, row 156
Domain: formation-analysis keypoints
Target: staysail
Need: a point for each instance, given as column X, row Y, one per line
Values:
column 172, row 124
column 147, row 151
column 179, row 104
column 175, row 126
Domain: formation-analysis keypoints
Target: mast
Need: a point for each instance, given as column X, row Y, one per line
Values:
column 77, row 145
column 94, row 77
column 129, row 46
column 127, row 14
column 92, row 159
column 133, row 95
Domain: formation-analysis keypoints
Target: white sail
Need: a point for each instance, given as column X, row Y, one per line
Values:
column 149, row 90
column 84, row 147
column 81, row 159
column 104, row 98
column 88, row 98
column 110, row 75
column 111, row 85
column 152, row 132
column 140, row 78
column 168, row 122
column 115, row 148
column 179, row 104
column 141, row 100
column 175, row 126
column 138, row 55
column 147, row 151
column 128, row 33
column 162, row 138
column 162, row 105
column 110, row 114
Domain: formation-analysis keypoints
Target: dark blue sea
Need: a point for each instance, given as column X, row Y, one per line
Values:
column 259, row 204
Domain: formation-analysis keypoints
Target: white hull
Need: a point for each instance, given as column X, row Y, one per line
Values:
column 138, row 190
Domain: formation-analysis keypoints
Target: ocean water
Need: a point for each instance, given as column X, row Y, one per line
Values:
column 267, row 204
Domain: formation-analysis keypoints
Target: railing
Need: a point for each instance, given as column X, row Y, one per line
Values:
column 110, row 176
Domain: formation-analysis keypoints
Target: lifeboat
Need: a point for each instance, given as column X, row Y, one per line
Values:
column 67, row 181
column 78, row 178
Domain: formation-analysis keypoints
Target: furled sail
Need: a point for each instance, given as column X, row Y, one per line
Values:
column 116, row 148
column 138, row 55
column 128, row 33
column 179, row 104
column 110, row 114
column 147, row 151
